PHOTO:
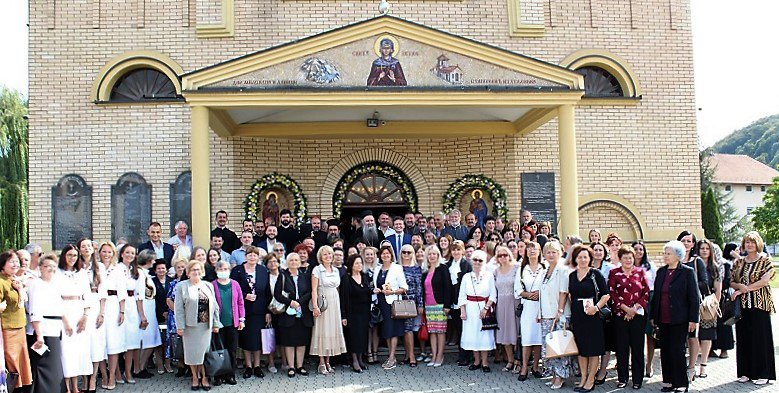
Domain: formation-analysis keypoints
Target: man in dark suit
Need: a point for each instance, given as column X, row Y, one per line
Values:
column 229, row 237
column 400, row 237
column 315, row 231
column 455, row 229
column 164, row 251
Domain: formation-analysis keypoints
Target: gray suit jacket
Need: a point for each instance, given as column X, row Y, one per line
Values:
column 186, row 304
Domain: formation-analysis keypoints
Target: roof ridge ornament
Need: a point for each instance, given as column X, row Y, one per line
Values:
column 384, row 7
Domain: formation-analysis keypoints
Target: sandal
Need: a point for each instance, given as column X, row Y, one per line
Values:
column 703, row 374
column 302, row 371
column 509, row 367
column 291, row 372
column 322, row 369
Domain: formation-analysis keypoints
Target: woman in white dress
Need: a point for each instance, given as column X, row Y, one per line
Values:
column 477, row 295
column 327, row 338
column 116, row 289
column 76, row 359
column 132, row 307
column 556, row 311
column 150, row 328
column 273, row 264
column 96, row 300
column 526, row 287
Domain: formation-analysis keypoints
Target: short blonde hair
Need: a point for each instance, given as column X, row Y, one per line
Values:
column 755, row 237
column 192, row 264
column 322, row 251
column 553, row 244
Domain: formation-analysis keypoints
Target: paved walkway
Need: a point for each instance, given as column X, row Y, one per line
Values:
column 449, row 378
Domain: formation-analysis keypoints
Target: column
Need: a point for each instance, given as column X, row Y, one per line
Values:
column 569, row 189
column 201, row 199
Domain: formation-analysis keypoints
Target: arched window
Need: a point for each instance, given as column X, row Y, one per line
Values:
column 600, row 83
column 143, row 84
column 374, row 189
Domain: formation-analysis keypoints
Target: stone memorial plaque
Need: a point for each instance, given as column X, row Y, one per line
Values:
column 538, row 196
column 181, row 201
column 71, row 205
column 130, row 208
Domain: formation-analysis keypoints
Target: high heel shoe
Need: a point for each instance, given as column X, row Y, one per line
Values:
column 356, row 369
column 330, row 368
column 322, row 369
column 703, row 373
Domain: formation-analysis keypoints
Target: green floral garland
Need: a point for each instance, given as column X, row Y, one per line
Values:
column 380, row 168
column 469, row 182
column 252, row 204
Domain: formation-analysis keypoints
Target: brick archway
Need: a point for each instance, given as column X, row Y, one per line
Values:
column 610, row 216
column 381, row 155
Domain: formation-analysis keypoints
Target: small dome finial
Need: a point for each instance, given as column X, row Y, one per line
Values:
column 384, row 7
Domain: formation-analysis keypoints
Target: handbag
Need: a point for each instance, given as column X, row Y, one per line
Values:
column 10, row 380
column 276, row 307
column 217, row 359
column 604, row 312
column 404, row 308
column 376, row 316
column 560, row 343
column 178, row 348
column 710, row 308
column 268, row 339
column 490, row 320
column 321, row 302
column 731, row 310
column 423, row 334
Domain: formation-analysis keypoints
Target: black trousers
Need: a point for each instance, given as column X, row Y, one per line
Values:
column 755, row 345
column 229, row 336
column 673, row 361
column 630, row 342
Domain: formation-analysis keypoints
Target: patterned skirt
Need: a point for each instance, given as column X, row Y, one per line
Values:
column 436, row 318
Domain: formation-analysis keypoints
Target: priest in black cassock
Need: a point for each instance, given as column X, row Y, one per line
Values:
column 367, row 231
column 231, row 242
column 288, row 234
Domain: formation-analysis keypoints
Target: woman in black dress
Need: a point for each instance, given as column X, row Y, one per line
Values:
column 724, row 341
column 588, row 328
column 293, row 288
column 254, row 280
column 355, row 310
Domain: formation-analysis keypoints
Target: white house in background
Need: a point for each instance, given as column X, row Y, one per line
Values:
column 744, row 178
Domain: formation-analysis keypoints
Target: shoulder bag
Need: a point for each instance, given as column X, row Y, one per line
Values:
column 490, row 320
column 604, row 312
column 276, row 307
column 709, row 308
column 321, row 302
column 217, row 359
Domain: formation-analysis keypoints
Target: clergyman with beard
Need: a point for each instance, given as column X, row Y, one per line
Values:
column 288, row 234
column 368, row 231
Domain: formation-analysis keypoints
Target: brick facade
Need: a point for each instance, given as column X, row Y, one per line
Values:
column 647, row 154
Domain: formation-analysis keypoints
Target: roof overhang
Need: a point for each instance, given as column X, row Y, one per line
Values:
column 245, row 100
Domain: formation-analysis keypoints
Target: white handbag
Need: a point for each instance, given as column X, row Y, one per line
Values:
column 560, row 343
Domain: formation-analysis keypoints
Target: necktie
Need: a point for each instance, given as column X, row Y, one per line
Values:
column 397, row 246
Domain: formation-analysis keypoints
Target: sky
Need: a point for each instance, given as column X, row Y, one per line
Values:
column 733, row 43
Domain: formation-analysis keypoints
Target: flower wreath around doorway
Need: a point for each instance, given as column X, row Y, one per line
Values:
column 496, row 192
column 379, row 168
column 252, row 204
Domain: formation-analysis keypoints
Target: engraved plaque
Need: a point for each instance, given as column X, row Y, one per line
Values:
column 71, row 205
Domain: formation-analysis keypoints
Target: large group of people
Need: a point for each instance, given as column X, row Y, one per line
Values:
column 335, row 291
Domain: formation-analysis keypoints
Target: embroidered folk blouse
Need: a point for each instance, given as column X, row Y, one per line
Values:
column 628, row 289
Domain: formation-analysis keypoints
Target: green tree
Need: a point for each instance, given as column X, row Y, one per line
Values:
column 13, row 169
column 712, row 227
column 727, row 212
column 766, row 218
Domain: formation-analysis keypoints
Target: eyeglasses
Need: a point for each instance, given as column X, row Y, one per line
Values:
column 406, row 252
column 477, row 260
column 503, row 255
column 513, row 246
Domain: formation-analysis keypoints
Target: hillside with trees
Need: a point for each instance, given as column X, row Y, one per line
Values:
column 759, row 140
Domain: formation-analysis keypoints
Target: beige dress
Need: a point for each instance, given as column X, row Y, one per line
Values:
column 328, row 336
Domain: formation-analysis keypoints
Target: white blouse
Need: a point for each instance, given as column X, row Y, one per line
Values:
column 46, row 301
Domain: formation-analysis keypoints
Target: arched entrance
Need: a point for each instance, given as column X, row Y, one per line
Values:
column 374, row 186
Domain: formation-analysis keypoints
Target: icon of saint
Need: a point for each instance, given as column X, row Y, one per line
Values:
column 386, row 69
column 478, row 207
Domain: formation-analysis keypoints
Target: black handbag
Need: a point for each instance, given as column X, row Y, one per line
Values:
column 178, row 348
column 217, row 360
column 731, row 310
column 490, row 320
column 604, row 312
column 376, row 316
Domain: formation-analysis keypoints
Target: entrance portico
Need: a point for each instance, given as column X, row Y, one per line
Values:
column 282, row 93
